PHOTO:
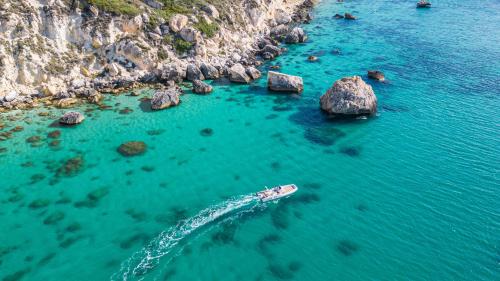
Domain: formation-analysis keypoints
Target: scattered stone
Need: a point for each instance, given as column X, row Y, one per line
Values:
column 165, row 99
column 349, row 96
column 200, row 87
column 71, row 118
column 132, row 148
column 177, row 22
column 284, row 83
column 376, row 75
column 312, row 58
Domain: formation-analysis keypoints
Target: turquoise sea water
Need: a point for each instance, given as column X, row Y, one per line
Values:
column 411, row 194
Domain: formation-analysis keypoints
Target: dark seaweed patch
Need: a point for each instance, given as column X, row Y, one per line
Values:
column 272, row 116
column 275, row 166
column 136, row 215
column 207, row 132
column 36, row 178
column 279, row 217
column 155, row 132
column 325, row 136
column 347, row 247
column 362, row 207
column 280, row 108
column 73, row 227
column 267, row 241
column 225, row 235
column 71, row 167
column 145, row 105
column 125, row 110
column 46, row 259
column 16, row 197
column 294, row 266
column 54, row 218
column 39, row 203
column 147, row 168
column 18, row 275
column 350, row 151
column 69, row 241
column 280, row 271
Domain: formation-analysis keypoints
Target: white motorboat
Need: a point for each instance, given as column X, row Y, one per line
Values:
column 276, row 192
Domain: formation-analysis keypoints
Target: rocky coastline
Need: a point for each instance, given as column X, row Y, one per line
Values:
column 61, row 54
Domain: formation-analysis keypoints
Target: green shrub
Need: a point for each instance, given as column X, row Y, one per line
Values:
column 121, row 7
column 209, row 29
column 182, row 45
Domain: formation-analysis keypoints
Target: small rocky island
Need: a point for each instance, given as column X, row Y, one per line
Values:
column 349, row 96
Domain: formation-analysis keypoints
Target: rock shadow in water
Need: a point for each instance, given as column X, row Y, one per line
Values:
column 145, row 105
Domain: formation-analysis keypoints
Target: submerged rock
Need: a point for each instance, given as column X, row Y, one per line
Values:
column 71, row 118
column 132, row 148
column 349, row 96
column 376, row 75
column 338, row 16
column 284, row 83
column 312, row 58
column 165, row 98
column 200, row 87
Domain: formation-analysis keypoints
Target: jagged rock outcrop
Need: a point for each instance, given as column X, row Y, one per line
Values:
column 281, row 82
column 200, row 87
column 349, row 96
column 165, row 98
column 71, row 118
column 238, row 74
column 297, row 35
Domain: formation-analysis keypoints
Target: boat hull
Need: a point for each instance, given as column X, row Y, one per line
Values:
column 277, row 192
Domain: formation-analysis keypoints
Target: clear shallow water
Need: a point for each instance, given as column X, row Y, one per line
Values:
column 412, row 194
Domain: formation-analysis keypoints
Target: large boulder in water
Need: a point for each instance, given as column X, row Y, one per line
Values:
column 349, row 96
column 165, row 98
column 284, row 83
column 71, row 118
column 237, row 73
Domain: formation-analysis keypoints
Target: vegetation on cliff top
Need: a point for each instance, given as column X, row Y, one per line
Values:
column 125, row 7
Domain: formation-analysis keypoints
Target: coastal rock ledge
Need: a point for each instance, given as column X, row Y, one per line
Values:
column 349, row 96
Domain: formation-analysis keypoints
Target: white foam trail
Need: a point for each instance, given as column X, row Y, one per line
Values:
column 148, row 257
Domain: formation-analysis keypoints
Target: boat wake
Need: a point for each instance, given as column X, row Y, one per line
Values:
column 149, row 257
